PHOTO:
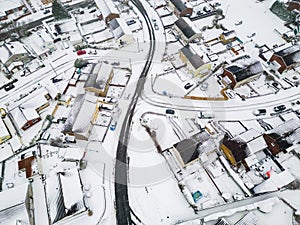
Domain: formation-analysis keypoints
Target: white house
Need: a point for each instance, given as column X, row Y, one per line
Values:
column 121, row 31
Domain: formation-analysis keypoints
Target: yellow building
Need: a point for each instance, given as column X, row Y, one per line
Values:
column 194, row 62
column 4, row 133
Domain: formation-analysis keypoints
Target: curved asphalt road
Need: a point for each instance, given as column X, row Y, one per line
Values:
column 121, row 167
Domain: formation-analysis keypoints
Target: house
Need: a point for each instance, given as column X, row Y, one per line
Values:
column 121, row 31
column 249, row 219
column 25, row 118
column 238, row 148
column 194, row 62
column 82, row 117
column 241, row 72
column 281, row 138
column 63, row 202
column 287, row 58
column 41, row 43
column 180, row 9
column 292, row 5
column 26, row 112
column 108, row 10
column 8, row 7
column 228, row 36
column 13, row 55
column 186, row 32
column 188, row 150
column 4, row 132
column 99, row 79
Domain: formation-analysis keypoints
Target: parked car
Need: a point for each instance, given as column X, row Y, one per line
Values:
column 81, row 52
column 47, row 11
column 156, row 27
column 188, row 85
column 239, row 22
column 279, row 108
column 93, row 10
column 167, row 68
column 170, row 111
column 251, row 35
column 130, row 22
column 259, row 112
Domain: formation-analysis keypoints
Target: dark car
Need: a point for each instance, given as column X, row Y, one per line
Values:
column 9, row 87
column 170, row 111
column 188, row 85
column 279, row 108
column 93, row 10
column 259, row 112
column 46, row 11
column 130, row 22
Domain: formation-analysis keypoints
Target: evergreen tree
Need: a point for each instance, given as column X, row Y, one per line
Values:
column 59, row 11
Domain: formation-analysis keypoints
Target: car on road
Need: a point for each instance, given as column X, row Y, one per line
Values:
column 279, row 108
column 259, row 112
column 170, row 111
column 81, row 52
column 205, row 114
column 9, row 87
column 188, row 85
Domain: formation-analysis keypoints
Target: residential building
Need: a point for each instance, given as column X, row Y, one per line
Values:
column 25, row 118
column 63, row 202
column 108, row 10
column 228, row 36
column 41, row 43
column 241, row 72
column 8, row 7
column 194, row 62
column 185, row 30
column 4, row 132
column 99, row 79
column 82, row 117
column 292, row 5
column 13, row 55
column 282, row 137
column 238, row 148
column 122, row 33
column 287, row 58
column 26, row 112
column 180, row 9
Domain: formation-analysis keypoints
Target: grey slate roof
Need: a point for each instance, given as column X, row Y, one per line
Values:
column 290, row 54
column 185, row 28
column 244, row 72
column 180, row 6
column 194, row 59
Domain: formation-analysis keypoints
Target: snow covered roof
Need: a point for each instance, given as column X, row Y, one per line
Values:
column 119, row 28
column 81, row 114
column 249, row 219
column 11, row 48
column 99, row 77
column 290, row 55
column 193, row 58
column 275, row 182
column 6, row 5
column 185, row 27
column 288, row 126
column 22, row 116
column 242, row 72
column 70, row 180
column 106, row 7
column 3, row 129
